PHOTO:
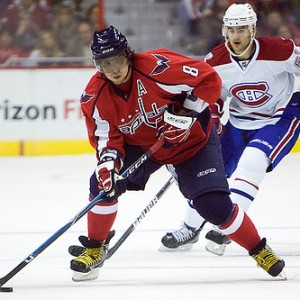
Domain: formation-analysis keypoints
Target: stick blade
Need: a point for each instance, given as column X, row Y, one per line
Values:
column 6, row 289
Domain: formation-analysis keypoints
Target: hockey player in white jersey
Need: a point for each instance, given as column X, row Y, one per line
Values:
column 258, row 76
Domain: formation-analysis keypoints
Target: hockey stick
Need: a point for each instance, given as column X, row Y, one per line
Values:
column 138, row 220
column 78, row 250
column 79, row 215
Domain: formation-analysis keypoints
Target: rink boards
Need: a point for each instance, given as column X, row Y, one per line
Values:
column 40, row 112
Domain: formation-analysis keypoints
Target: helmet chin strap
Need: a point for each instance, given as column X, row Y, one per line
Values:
column 241, row 54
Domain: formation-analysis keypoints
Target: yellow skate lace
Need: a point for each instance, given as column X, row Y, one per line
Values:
column 91, row 256
column 266, row 258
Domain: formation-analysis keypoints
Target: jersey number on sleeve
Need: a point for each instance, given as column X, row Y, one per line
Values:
column 190, row 71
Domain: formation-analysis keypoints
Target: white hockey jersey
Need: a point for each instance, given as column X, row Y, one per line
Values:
column 258, row 89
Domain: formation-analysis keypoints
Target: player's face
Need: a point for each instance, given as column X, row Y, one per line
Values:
column 115, row 68
column 239, row 38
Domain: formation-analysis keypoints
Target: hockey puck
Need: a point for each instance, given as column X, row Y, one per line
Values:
column 6, row 289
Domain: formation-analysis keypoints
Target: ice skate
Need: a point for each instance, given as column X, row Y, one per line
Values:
column 217, row 242
column 86, row 266
column 268, row 260
column 181, row 239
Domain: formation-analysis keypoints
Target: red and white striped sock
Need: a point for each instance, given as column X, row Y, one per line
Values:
column 241, row 230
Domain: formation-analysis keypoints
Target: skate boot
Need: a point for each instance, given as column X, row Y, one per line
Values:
column 181, row 239
column 268, row 260
column 86, row 266
column 217, row 242
column 76, row 250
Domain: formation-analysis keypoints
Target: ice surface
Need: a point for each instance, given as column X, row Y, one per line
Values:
column 39, row 195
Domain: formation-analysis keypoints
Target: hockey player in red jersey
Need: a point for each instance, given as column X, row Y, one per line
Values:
column 258, row 76
column 133, row 100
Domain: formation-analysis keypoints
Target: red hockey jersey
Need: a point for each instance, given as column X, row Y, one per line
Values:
column 159, row 77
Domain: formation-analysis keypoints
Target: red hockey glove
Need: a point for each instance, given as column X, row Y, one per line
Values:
column 217, row 122
column 176, row 128
column 110, row 182
column 217, row 112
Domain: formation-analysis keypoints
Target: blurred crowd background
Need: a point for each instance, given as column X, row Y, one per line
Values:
column 59, row 32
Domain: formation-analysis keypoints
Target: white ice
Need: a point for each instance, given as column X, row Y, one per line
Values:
column 39, row 195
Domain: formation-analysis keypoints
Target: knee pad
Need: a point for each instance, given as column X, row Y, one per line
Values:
column 215, row 207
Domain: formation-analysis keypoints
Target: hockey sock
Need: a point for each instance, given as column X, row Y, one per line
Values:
column 243, row 192
column 250, row 172
column 241, row 230
column 101, row 219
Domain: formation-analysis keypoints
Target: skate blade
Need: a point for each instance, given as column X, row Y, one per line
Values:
column 183, row 248
column 215, row 248
column 92, row 275
column 282, row 275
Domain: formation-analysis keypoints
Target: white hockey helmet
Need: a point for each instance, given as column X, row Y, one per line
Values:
column 240, row 15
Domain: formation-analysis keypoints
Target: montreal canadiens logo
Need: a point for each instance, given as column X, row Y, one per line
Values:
column 252, row 94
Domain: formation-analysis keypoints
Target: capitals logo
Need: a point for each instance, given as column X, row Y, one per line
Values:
column 86, row 97
column 162, row 64
column 252, row 94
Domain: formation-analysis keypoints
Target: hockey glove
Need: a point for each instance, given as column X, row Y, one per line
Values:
column 177, row 127
column 107, row 173
column 217, row 112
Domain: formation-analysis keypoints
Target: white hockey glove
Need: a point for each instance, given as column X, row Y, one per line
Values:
column 107, row 173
